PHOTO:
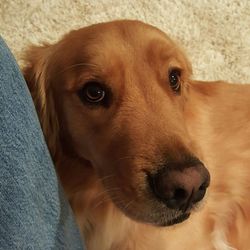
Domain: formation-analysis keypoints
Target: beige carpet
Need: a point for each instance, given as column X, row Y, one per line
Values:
column 215, row 34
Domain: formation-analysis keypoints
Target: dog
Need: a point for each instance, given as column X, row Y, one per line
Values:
column 148, row 158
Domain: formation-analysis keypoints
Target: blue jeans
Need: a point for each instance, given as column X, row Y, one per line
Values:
column 34, row 213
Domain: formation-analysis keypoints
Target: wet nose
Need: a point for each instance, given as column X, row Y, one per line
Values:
column 180, row 189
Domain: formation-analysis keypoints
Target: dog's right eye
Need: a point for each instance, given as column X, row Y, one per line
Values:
column 174, row 80
column 93, row 93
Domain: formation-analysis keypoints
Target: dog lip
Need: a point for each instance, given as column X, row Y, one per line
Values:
column 176, row 220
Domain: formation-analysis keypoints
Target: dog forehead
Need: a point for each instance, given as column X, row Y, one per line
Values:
column 117, row 39
column 124, row 30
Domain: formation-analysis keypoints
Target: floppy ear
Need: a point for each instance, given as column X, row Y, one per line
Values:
column 38, row 80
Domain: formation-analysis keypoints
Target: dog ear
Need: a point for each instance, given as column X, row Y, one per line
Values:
column 38, row 80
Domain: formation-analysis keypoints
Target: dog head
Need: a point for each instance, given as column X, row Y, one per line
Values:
column 114, row 94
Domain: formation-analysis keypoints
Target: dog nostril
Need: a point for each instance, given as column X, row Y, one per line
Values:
column 200, row 193
column 178, row 199
column 202, row 187
column 180, row 194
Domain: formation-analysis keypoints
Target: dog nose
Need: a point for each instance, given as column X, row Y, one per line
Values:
column 180, row 188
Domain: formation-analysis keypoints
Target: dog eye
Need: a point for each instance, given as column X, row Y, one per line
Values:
column 92, row 93
column 174, row 79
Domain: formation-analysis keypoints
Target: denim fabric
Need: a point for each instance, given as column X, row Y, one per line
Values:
column 33, row 211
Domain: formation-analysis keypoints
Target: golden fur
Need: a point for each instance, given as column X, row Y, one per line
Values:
column 101, row 155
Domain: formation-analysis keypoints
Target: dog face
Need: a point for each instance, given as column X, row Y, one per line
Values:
column 115, row 95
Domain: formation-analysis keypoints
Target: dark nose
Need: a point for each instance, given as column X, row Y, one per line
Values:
column 180, row 188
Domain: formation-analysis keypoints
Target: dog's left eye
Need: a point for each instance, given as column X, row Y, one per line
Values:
column 174, row 79
column 92, row 93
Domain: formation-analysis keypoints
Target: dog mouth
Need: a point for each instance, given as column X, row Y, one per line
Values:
column 176, row 220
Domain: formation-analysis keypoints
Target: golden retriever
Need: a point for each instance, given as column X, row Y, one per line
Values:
column 138, row 145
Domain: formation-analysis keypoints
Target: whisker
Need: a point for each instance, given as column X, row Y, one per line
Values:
column 107, row 198
column 128, row 204
column 106, row 191
column 101, row 202
column 105, row 178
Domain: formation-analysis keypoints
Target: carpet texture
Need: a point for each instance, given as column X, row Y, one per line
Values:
column 215, row 34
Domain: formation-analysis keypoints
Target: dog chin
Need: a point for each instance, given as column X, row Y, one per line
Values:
column 159, row 221
column 174, row 221
column 166, row 223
